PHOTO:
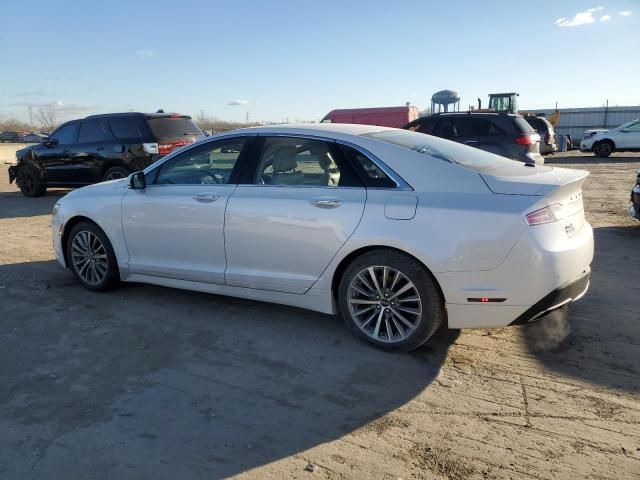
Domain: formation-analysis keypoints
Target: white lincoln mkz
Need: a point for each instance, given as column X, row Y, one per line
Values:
column 397, row 231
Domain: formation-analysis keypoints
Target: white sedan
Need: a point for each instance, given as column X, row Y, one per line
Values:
column 625, row 138
column 398, row 232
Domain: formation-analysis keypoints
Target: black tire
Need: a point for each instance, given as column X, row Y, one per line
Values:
column 603, row 149
column 111, row 276
column 432, row 304
column 114, row 173
column 30, row 181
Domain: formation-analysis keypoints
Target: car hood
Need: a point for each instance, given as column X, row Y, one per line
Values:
column 518, row 179
column 109, row 187
column 20, row 153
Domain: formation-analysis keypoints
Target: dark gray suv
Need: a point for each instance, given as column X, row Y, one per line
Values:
column 504, row 134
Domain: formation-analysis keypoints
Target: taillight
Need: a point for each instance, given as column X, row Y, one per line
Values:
column 525, row 139
column 151, row 148
column 168, row 147
column 545, row 215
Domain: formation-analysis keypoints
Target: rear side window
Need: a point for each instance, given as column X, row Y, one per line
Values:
column 91, row 132
column 124, row 128
column 454, row 127
column 369, row 172
column 172, row 128
column 486, row 127
column 66, row 135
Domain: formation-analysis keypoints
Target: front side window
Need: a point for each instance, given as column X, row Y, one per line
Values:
column 66, row 135
column 298, row 162
column 211, row 163
column 90, row 132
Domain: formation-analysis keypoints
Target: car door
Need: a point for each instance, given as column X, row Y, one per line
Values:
column 628, row 138
column 88, row 152
column 54, row 155
column 297, row 207
column 175, row 226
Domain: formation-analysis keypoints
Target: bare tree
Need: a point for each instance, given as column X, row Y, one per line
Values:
column 48, row 120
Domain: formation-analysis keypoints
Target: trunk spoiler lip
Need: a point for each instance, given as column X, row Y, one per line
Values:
column 532, row 185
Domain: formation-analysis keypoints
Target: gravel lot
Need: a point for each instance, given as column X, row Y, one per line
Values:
column 148, row 382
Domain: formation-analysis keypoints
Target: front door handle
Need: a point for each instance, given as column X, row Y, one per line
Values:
column 205, row 197
column 326, row 203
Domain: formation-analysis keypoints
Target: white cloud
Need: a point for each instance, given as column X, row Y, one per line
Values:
column 625, row 13
column 239, row 103
column 580, row 18
column 145, row 53
column 605, row 18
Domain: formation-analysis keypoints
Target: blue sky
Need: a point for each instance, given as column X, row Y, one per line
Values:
column 300, row 59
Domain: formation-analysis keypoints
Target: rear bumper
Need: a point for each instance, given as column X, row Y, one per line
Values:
column 555, row 300
column 544, row 268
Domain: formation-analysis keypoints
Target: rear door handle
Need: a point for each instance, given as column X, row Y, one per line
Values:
column 205, row 197
column 326, row 202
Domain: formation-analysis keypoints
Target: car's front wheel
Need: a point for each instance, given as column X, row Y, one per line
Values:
column 390, row 300
column 91, row 257
column 30, row 181
column 603, row 149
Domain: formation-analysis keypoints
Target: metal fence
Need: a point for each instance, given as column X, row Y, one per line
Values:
column 574, row 121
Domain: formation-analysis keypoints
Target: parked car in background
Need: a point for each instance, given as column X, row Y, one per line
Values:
column 100, row 147
column 634, row 209
column 395, row 117
column 508, row 135
column 625, row 138
column 10, row 137
column 397, row 231
column 547, row 134
column 33, row 138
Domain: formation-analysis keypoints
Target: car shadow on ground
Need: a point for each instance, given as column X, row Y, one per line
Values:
column 149, row 382
column 603, row 327
column 589, row 159
column 15, row 204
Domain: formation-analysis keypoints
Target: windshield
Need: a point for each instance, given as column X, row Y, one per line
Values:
column 441, row 149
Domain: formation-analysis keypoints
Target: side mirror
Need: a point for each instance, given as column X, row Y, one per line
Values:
column 52, row 142
column 137, row 181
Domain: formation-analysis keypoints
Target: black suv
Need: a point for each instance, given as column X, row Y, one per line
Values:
column 504, row 134
column 99, row 148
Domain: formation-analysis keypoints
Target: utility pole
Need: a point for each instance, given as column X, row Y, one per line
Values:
column 247, row 116
column 30, row 115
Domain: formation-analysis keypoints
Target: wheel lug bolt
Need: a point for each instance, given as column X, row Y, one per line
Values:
column 378, row 307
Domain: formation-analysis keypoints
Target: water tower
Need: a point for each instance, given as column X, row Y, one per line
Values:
column 443, row 99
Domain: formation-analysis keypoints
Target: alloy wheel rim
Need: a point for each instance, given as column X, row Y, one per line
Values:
column 384, row 304
column 89, row 257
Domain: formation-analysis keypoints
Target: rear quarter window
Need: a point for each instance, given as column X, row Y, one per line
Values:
column 522, row 126
column 124, row 128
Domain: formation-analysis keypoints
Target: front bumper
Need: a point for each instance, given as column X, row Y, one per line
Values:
column 13, row 173
column 554, row 300
column 634, row 209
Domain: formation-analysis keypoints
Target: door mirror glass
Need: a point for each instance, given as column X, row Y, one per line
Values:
column 52, row 142
column 137, row 181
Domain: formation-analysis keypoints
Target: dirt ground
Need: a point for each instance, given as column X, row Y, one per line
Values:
column 148, row 382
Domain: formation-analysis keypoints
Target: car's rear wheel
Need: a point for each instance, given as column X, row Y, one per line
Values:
column 30, row 181
column 390, row 300
column 603, row 149
column 91, row 257
column 115, row 173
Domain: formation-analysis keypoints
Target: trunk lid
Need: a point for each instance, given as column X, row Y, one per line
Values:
column 521, row 179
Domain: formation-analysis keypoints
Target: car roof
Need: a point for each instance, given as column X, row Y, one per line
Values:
column 476, row 114
column 318, row 129
column 138, row 114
